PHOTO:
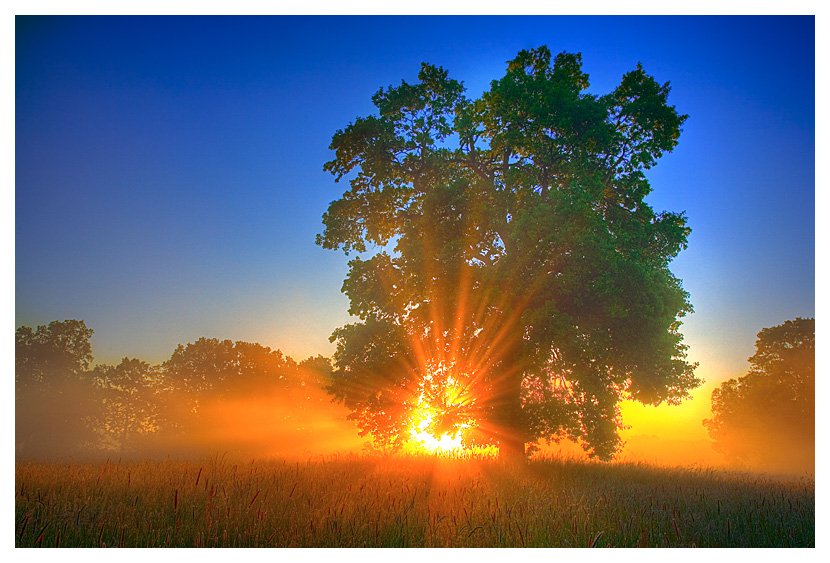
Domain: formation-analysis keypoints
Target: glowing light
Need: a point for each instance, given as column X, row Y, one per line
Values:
column 443, row 403
column 422, row 437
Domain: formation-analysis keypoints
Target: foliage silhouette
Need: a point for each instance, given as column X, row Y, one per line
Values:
column 767, row 417
column 131, row 396
column 53, row 394
column 213, row 367
column 58, row 351
column 508, row 238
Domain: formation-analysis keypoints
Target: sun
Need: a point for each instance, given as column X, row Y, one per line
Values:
column 422, row 422
column 445, row 443
column 443, row 415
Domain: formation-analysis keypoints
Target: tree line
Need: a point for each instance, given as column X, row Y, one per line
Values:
column 68, row 406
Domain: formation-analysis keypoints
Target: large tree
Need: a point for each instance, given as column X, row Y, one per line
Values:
column 509, row 267
column 768, row 416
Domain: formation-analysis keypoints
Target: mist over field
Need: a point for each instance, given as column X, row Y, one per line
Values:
column 279, row 411
column 232, row 444
column 304, row 422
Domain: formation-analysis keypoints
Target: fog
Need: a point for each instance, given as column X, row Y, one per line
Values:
column 65, row 422
column 273, row 425
column 218, row 397
column 211, row 397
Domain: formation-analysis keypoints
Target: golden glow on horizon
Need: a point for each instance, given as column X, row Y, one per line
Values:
column 667, row 435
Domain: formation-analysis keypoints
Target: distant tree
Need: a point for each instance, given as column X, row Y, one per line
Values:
column 53, row 396
column 316, row 370
column 210, row 371
column 215, row 367
column 131, row 403
column 768, row 415
column 513, row 254
column 219, row 389
column 52, row 354
column 200, row 366
column 66, row 408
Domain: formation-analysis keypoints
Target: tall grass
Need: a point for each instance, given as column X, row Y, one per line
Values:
column 409, row 502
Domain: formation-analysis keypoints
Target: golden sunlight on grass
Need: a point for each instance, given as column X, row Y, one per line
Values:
column 395, row 502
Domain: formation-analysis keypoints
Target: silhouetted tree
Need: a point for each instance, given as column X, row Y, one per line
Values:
column 215, row 367
column 212, row 370
column 315, row 374
column 195, row 402
column 52, row 354
column 131, row 403
column 215, row 384
column 53, row 396
column 514, row 253
column 768, row 415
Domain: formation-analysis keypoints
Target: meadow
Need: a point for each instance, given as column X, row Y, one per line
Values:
column 406, row 502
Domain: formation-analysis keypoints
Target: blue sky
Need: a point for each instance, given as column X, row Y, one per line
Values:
column 169, row 177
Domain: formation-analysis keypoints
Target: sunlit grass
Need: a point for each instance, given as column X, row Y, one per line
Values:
column 373, row 502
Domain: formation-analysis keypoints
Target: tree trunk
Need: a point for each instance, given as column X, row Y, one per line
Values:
column 512, row 448
column 508, row 417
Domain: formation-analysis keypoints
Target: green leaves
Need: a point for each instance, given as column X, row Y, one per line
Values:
column 421, row 111
column 521, row 235
column 369, row 143
column 646, row 125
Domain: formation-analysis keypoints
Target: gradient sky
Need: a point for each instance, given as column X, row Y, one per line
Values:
column 169, row 177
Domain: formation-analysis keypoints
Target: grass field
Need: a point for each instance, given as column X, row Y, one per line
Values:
column 410, row 502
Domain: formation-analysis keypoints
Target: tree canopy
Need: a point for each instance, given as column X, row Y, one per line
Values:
column 51, row 353
column 210, row 366
column 505, row 245
column 768, row 415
